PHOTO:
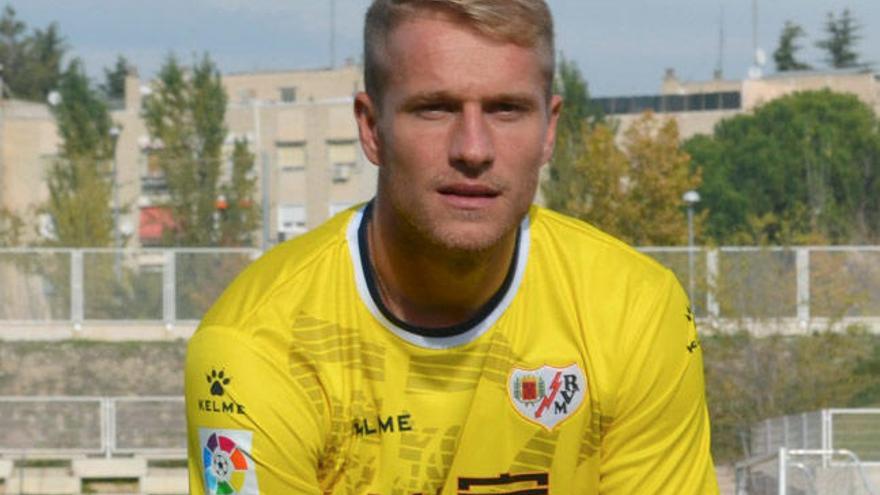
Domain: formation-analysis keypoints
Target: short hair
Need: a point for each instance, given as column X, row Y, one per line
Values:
column 526, row 23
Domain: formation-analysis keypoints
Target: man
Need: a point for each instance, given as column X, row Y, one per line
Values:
column 448, row 337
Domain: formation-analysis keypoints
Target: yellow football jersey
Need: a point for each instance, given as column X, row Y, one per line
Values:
column 583, row 375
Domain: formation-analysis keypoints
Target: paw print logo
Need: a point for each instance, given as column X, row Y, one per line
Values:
column 217, row 381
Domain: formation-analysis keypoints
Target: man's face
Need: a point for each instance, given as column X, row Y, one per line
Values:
column 463, row 129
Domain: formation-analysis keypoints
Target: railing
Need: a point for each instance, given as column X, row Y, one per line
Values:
column 77, row 285
column 855, row 430
column 62, row 427
column 802, row 287
column 803, row 471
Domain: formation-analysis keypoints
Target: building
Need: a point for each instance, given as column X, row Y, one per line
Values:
column 299, row 125
column 698, row 106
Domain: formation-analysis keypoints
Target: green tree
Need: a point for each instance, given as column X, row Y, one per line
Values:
column 31, row 63
column 79, row 180
column 785, row 55
column 631, row 191
column 842, row 35
column 11, row 228
column 749, row 379
column 113, row 86
column 240, row 214
column 185, row 114
column 801, row 168
column 12, row 47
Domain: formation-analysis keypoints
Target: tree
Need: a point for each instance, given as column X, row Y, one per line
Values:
column 785, row 55
column 842, row 35
column 633, row 192
column 11, row 228
column 79, row 181
column 12, row 47
column 801, row 168
column 185, row 114
column 31, row 63
column 240, row 214
column 114, row 79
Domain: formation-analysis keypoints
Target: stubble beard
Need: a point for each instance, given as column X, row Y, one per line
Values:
column 462, row 236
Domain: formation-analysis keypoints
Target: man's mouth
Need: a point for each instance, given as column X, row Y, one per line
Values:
column 469, row 196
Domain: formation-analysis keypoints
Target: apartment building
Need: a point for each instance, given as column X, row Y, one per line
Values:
column 298, row 123
column 698, row 105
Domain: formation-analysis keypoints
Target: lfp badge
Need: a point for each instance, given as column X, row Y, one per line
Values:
column 226, row 463
column 547, row 395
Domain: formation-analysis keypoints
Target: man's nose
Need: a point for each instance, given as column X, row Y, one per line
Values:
column 472, row 144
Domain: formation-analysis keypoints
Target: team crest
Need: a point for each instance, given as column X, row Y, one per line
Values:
column 547, row 395
column 227, row 467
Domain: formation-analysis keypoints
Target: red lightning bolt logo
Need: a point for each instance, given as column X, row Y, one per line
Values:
column 554, row 389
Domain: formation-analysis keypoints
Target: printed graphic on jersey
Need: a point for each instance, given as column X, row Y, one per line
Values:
column 226, row 463
column 534, row 484
column 547, row 395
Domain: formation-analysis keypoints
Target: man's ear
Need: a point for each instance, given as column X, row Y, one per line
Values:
column 550, row 137
column 367, row 117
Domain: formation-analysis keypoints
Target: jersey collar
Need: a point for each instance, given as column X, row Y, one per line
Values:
column 432, row 338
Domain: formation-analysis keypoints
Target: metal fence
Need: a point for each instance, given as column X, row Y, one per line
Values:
column 855, row 430
column 59, row 426
column 76, row 285
column 804, row 472
column 800, row 284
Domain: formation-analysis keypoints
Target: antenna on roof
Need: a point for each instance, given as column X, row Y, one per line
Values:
column 332, row 34
column 719, row 69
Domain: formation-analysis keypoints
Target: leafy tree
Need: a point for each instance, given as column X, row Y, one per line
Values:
column 634, row 191
column 801, row 168
column 842, row 36
column 31, row 63
column 185, row 114
column 114, row 79
column 11, row 228
column 785, row 55
column 12, row 47
column 240, row 214
column 79, row 181
column 749, row 379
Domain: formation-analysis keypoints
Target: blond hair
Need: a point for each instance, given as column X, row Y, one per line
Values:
column 526, row 23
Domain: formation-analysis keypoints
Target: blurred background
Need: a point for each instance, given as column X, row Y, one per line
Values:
column 151, row 150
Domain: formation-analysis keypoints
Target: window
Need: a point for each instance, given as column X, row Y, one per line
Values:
column 246, row 95
column 291, row 220
column 342, row 156
column 290, row 156
column 288, row 95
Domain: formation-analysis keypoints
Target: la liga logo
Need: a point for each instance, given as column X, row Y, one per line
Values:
column 226, row 463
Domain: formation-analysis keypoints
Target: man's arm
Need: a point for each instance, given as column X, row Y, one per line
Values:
column 658, row 442
column 250, row 427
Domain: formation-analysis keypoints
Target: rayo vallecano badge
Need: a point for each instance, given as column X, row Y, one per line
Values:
column 547, row 395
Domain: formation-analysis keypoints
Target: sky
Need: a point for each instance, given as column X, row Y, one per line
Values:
column 623, row 47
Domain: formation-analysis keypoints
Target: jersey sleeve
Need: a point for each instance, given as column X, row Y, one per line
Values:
column 251, row 428
column 658, row 440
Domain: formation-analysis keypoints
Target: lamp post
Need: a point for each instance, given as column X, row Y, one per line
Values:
column 691, row 198
column 114, row 136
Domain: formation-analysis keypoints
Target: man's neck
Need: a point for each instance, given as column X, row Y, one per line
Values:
column 430, row 287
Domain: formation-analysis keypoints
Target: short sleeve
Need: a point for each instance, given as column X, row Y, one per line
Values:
column 251, row 428
column 659, row 439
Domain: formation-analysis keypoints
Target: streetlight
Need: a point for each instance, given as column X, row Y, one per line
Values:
column 691, row 198
column 114, row 136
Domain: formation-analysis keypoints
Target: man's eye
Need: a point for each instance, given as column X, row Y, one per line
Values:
column 433, row 110
column 507, row 110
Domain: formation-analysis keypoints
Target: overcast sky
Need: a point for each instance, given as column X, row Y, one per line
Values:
column 622, row 46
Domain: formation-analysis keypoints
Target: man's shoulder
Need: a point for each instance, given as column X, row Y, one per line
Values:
column 585, row 245
column 285, row 272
